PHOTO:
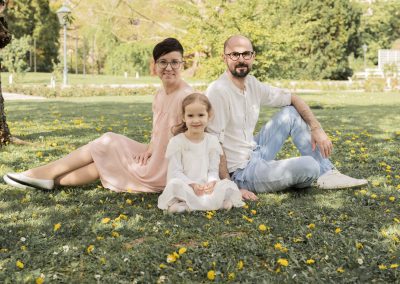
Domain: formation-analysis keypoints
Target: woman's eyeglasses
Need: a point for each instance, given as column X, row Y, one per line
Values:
column 175, row 64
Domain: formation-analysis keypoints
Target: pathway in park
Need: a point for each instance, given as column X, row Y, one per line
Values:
column 13, row 96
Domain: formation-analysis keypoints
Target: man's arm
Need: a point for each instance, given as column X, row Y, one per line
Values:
column 318, row 135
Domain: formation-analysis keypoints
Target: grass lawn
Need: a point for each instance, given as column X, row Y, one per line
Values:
column 89, row 234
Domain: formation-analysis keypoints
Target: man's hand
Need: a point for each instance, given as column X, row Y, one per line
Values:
column 320, row 139
column 248, row 195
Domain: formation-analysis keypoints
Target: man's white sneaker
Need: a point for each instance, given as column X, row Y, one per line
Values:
column 333, row 179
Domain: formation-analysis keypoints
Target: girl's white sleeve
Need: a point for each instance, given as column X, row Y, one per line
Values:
column 214, row 153
column 175, row 166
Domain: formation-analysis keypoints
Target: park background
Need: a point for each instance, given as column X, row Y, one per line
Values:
column 326, row 51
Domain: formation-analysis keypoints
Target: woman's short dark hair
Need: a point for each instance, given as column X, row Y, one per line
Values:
column 166, row 46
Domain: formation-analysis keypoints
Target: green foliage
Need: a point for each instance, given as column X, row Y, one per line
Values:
column 13, row 56
column 300, row 225
column 34, row 18
column 129, row 57
column 329, row 30
column 292, row 39
column 380, row 27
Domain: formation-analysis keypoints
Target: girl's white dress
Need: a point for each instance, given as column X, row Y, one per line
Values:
column 190, row 162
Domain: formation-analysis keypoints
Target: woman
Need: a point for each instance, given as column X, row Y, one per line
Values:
column 123, row 164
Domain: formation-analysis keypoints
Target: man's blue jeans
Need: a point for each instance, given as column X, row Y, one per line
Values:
column 264, row 174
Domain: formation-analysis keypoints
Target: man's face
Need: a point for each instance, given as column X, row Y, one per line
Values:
column 239, row 57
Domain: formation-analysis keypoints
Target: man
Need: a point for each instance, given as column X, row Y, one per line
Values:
column 249, row 161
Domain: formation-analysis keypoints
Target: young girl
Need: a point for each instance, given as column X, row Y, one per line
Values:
column 193, row 161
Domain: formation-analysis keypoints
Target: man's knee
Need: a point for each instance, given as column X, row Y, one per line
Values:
column 311, row 167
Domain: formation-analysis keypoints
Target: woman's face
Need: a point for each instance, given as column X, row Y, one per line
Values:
column 168, row 67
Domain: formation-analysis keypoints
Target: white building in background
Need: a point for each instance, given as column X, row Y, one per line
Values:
column 388, row 56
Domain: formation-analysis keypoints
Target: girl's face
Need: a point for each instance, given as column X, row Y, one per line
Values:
column 168, row 67
column 196, row 117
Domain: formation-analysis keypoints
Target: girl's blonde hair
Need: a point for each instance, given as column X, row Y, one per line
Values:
column 194, row 97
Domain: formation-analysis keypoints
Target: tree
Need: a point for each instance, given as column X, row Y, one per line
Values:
column 380, row 27
column 34, row 18
column 330, row 34
column 5, row 38
column 13, row 56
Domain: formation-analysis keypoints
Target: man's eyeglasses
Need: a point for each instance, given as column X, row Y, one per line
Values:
column 175, row 64
column 236, row 55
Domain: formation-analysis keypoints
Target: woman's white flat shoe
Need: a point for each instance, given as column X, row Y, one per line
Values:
column 9, row 181
column 31, row 182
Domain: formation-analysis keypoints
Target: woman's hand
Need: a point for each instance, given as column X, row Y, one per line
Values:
column 198, row 189
column 143, row 157
column 209, row 187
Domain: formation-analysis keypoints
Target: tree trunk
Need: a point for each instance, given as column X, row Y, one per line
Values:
column 5, row 38
column 5, row 135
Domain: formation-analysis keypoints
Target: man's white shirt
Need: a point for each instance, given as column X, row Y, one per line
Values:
column 236, row 114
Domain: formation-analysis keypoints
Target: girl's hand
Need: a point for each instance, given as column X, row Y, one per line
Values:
column 209, row 187
column 198, row 189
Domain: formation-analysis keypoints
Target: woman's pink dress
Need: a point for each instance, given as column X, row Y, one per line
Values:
column 113, row 154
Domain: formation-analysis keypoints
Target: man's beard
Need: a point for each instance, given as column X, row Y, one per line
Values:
column 241, row 73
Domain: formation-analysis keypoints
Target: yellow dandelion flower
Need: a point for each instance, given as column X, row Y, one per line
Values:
column 310, row 261
column 359, row 246
column 311, row 226
column 338, row 230
column 373, row 196
column 167, row 232
column 392, row 198
column 245, row 206
column 182, row 250
column 394, row 266
column 396, row 220
column 102, row 260
column 99, row 238
column 123, row 217
column 90, row 249
column 283, row 262
column 128, row 201
column 162, row 266
column 375, row 183
column 19, row 264
column 254, row 212
column 309, row 236
column 262, row 227
column 39, row 280
column 205, row 244
column 105, row 220
column 231, row 276
column 57, row 227
column 240, row 265
column 23, row 248
column 298, row 240
column 171, row 258
column 363, row 191
column 211, row 275
column 190, row 269
column 340, row 270
column 278, row 246
column 382, row 267
column 115, row 234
